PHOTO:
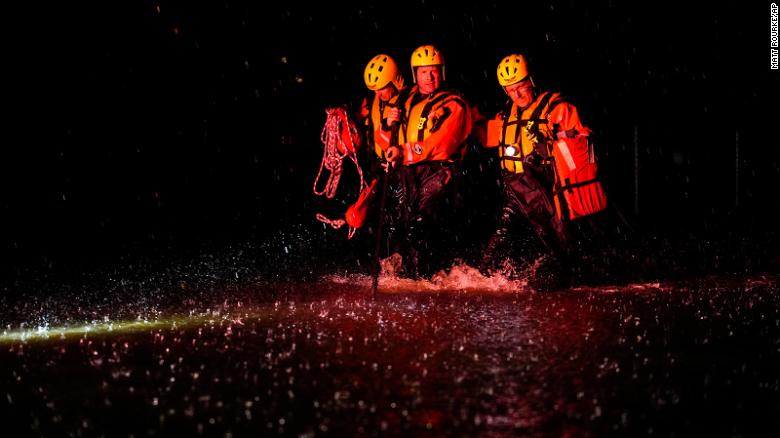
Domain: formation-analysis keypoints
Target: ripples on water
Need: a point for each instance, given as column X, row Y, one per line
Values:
column 205, row 352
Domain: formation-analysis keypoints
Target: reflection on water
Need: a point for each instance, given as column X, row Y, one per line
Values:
column 460, row 355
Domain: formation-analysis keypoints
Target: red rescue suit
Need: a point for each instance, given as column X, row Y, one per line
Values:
column 545, row 154
column 558, row 133
column 379, row 135
column 433, row 134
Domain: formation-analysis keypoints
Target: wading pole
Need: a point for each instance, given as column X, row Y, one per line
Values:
column 378, row 247
column 382, row 201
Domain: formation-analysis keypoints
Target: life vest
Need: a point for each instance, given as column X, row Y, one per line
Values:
column 377, row 108
column 551, row 128
column 523, row 135
column 578, row 192
column 436, row 127
column 380, row 133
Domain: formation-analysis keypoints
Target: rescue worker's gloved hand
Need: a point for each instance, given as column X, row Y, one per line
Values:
column 534, row 159
column 393, row 154
column 393, row 116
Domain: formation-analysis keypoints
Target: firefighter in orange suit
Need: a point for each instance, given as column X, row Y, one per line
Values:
column 435, row 122
column 384, row 78
column 548, row 169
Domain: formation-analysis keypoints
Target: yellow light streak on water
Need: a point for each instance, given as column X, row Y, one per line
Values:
column 139, row 325
column 108, row 327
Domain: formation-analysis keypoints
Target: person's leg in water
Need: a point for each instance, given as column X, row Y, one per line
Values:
column 404, row 194
column 501, row 245
column 393, row 214
column 432, row 205
column 535, row 201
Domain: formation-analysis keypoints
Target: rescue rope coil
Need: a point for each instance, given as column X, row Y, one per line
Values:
column 340, row 139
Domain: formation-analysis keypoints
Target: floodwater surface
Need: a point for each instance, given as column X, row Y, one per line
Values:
column 487, row 358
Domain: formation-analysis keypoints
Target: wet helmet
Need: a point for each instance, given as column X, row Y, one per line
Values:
column 424, row 56
column 382, row 70
column 512, row 69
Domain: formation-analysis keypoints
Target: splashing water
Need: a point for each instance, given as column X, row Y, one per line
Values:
column 460, row 277
column 195, row 349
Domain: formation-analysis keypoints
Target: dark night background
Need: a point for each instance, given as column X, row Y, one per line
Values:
column 147, row 126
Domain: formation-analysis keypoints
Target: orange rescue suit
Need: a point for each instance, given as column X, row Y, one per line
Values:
column 375, row 117
column 435, row 127
column 550, row 128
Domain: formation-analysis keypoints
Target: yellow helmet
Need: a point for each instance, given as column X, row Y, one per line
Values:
column 424, row 56
column 512, row 69
column 382, row 70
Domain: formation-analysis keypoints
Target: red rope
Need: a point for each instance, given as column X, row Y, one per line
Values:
column 336, row 224
column 332, row 155
column 336, row 148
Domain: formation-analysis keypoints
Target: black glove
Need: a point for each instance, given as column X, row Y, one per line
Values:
column 533, row 159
